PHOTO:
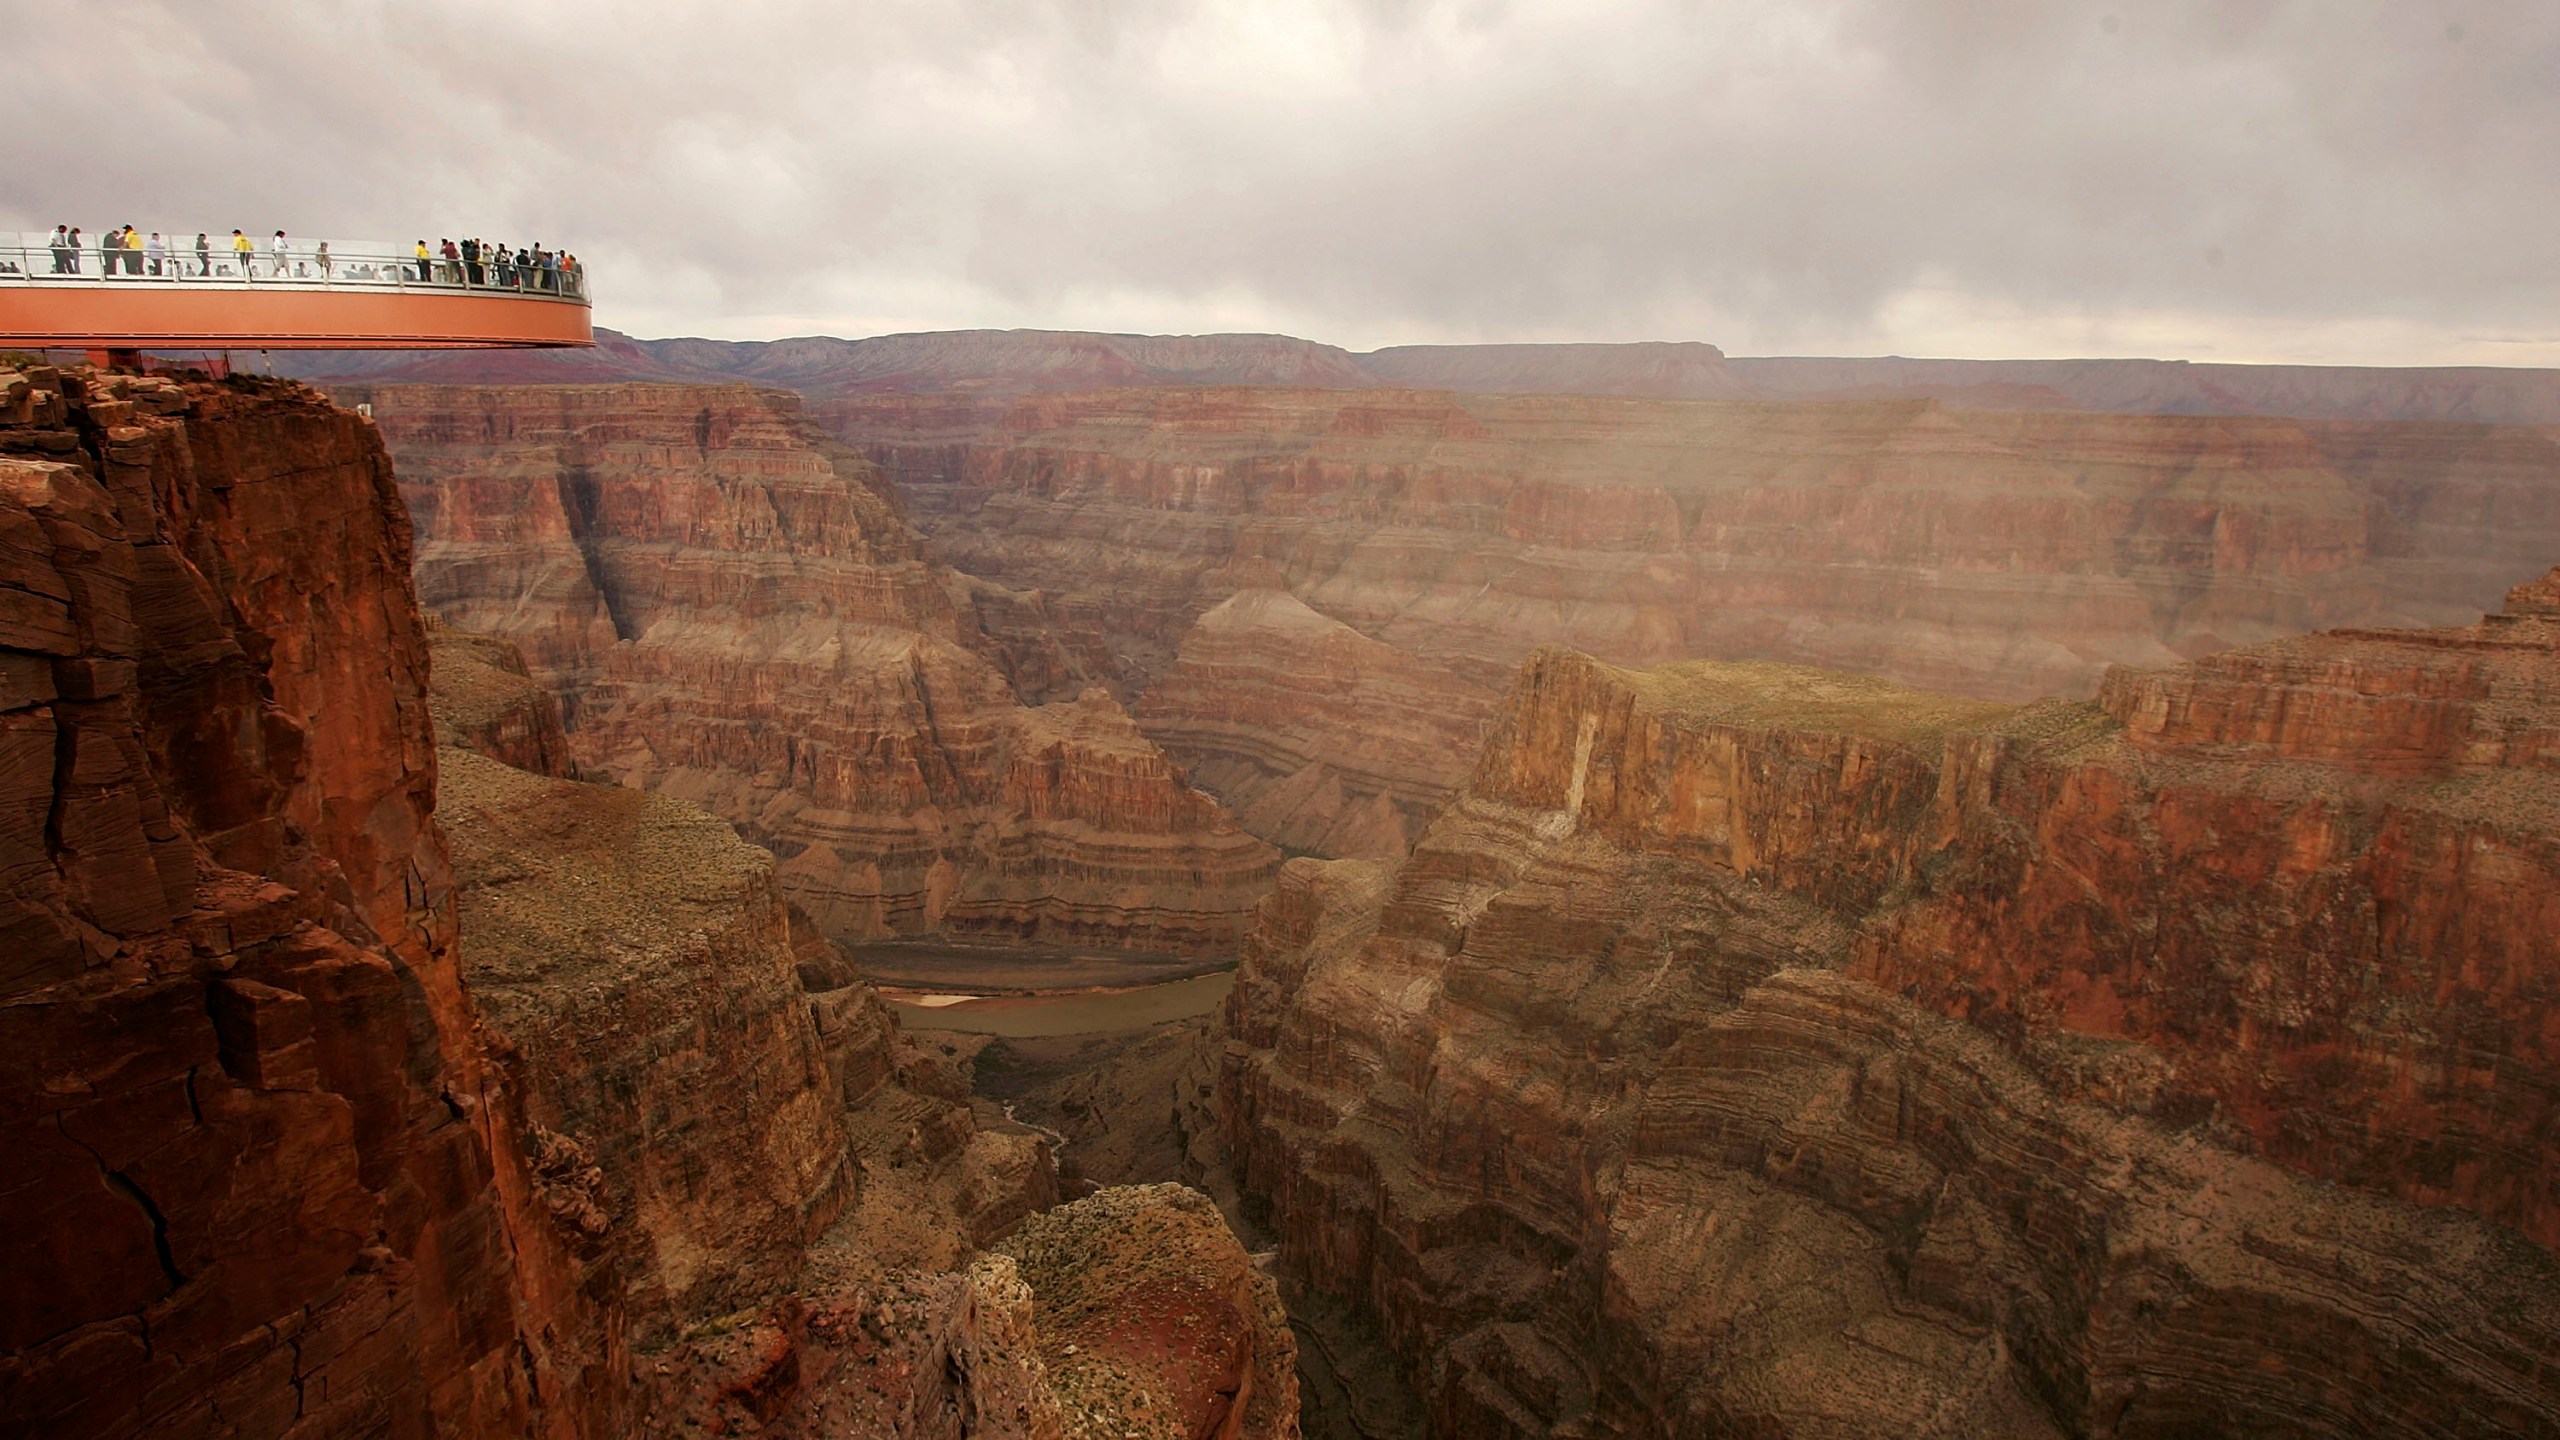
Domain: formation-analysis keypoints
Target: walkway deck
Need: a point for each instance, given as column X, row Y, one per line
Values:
column 361, row 298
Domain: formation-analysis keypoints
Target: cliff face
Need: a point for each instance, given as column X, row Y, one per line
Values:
column 1757, row 1049
column 732, row 612
column 629, row 948
column 2006, row 555
column 2002, row 554
column 1322, row 740
column 299, row 1144
column 261, row 1174
column 485, row 700
column 777, row 1197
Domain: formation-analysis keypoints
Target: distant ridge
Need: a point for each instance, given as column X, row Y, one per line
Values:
column 2484, row 394
column 1010, row 362
column 1685, row 369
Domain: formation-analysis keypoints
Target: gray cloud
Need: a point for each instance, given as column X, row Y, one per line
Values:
column 2365, row 180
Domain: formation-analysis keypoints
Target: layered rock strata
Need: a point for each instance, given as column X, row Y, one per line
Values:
column 1757, row 1050
column 1152, row 1322
column 731, row 611
column 485, row 700
column 262, row 1176
column 634, row 954
column 783, row 1196
column 1320, row 739
column 2003, row 554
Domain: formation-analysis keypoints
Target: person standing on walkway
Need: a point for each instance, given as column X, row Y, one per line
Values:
column 323, row 258
column 424, row 261
column 132, row 251
column 66, row 252
column 242, row 253
column 157, row 253
column 75, row 249
column 452, row 272
column 204, row 255
column 284, row 258
column 111, row 253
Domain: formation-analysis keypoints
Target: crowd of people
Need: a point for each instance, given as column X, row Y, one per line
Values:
column 473, row 263
column 483, row 262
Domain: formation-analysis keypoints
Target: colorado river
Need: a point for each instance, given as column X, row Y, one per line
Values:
column 1080, row 1013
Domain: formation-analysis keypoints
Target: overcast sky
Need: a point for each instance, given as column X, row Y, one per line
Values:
column 2355, row 181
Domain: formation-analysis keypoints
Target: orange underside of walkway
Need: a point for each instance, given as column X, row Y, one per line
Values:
column 162, row 316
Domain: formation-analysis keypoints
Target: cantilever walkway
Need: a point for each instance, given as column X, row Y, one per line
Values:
column 360, row 297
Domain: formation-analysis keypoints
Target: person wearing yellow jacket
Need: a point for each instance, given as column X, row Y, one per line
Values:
column 242, row 253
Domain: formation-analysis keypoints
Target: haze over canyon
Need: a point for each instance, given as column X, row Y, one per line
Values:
column 1780, row 897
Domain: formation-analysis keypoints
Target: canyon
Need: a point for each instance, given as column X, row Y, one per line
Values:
column 1750, row 1049
column 1096, row 537
column 2001, row 554
column 731, row 610
column 362, row 1081
column 1849, row 917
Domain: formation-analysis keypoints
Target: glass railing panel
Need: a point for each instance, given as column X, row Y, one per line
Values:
column 35, row 257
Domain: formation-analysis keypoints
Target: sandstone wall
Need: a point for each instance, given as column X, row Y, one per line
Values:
column 1322, row 740
column 261, row 1174
column 732, row 611
column 778, row 1197
column 485, row 700
column 1757, row 1050
column 634, row 954
column 2007, row 555
column 300, row 1144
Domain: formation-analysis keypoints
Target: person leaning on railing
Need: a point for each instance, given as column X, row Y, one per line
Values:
column 241, row 254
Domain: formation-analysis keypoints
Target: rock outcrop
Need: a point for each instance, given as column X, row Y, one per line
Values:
column 1152, row 1322
column 778, row 1196
column 634, row 955
column 1320, row 739
column 262, row 1175
column 303, row 1144
column 731, row 611
column 1758, row 1050
column 485, row 700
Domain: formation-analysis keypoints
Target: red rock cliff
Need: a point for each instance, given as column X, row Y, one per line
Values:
column 274, row 1171
column 1324, row 741
column 733, row 613
column 2006, row 555
column 262, row 1176
column 1759, row 1050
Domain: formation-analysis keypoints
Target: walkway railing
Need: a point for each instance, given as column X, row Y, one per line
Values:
column 34, row 258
